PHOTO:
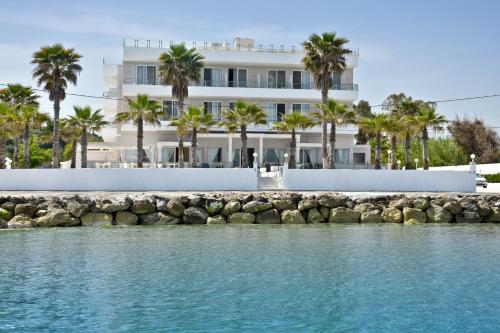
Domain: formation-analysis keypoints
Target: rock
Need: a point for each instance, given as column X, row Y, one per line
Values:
column 468, row 204
column 453, row 207
column 314, row 216
column 53, row 206
column 413, row 216
column 372, row 216
column 468, row 216
column 195, row 215
column 241, row 218
column 344, row 215
column 3, row 223
column 216, row 219
column 158, row 218
column 196, row 201
column 332, row 201
column 41, row 213
column 292, row 217
column 231, row 207
column 325, row 212
column 125, row 218
column 76, row 208
column 256, row 206
column 162, row 205
column 364, row 207
column 5, row 214
column 96, row 219
column 437, row 214
column 270, row 216
column 143, row 206
column 421, row 203
column 27, row 209
column 21, row 221
column 307, row 203
column 213, row 206
column 494, row 215
column 401, row 203
column 115, row 205
column 57, row 218
column 175, row 208
column 283, row 204
column 483, row 208
column 392, row 215
column 9, row 206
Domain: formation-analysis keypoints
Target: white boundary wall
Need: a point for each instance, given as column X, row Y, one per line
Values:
column 170, row 179
column 378, row 180
column 483, row 169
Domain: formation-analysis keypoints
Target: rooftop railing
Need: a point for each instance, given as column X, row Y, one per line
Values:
column 218, row 46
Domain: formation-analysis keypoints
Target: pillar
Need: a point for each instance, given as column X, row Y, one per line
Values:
column 261, row 150
column 230, row 151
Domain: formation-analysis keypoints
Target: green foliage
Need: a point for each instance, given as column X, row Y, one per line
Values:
column 67, row 152
column 38, row 155
column 494, row 178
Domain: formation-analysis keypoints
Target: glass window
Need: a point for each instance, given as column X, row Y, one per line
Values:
column 213, row 77
column 167, row 155
column 336, row 81
column 302, row 108
column 146, row 75
column 271, row 112
column 236, row 158
column 214, row 155
column 170, row 109
column 358, row 158
column 214, row 108
column 276, row 79
column 342, row 156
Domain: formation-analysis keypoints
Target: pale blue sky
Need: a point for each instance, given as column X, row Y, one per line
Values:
column 428, row 49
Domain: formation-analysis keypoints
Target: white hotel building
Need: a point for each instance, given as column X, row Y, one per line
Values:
column 273, row 77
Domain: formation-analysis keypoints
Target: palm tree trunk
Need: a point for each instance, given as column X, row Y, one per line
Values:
column 292, row 162
column 3, row 152
column 244, row 148
column 73, row 153
column 378, row 151
column 26, row 141
column 55, row 136
column 15, row 155
column 394, row 148
column 83, row 141
column 425, row 143
column 333, row 131
column 140, row 144
column 408, row 152
column 180, row 139
column 324, row 131
column 194, row 147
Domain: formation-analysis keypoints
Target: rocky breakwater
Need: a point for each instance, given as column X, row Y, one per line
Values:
column 91, row 210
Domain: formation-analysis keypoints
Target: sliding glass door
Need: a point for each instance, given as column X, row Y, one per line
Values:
column 146, row 75
column 213, row 77
column 237, row 77
column 301, row 80
column 276, row 79
column 275, row 111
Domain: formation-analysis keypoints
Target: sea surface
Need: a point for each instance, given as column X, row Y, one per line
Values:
column 311, row 278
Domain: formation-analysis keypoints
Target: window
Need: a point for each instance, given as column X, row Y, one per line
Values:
column 276, row 79
column 236, row 158
column 167, row 155
column 302, row 108
column 212, row 77
column 214, row 155
column 146, row 74
column 358, row 158
column 237, row 77
column 274, row 155
column 342, row 156
column 336, row 81
column 301, row 80
column 310, row 157
column 214, row 108
column 130, row 155
column 170, row 109
column 275, row 111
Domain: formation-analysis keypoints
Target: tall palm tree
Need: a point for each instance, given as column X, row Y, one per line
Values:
column 140, row 111
column 181, row 128
column 337, row 115
column 30, row 117
column 290, row 124
column 325, row 55
column 375, row 125
column 394, row 128
column 179, row 66
column 238, row 118
column 194, row 120
column 428, row 117
column 55, row 67
column 89, row 122
column 71, row 132
column 17, row 95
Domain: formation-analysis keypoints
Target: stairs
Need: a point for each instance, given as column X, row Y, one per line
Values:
column 269, row 181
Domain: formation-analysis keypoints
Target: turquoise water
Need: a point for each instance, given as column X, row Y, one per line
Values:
column 315, row 278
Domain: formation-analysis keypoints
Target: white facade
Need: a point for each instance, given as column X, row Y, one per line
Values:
column 272, row 77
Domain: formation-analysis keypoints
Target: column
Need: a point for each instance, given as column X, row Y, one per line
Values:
column 230, row 151
column 297, row 150
column 261, row 149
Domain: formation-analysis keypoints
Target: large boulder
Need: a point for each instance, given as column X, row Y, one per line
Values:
column 27, row 209
column 195, row 215
column 96, row 219
column 325, row 212
column 468, row 216
column 438, row 214
column 469, row 204
column 413, row 216
column 292, row 217
column 158, row 218
column 494, row 215
column 231, row 207
column 364, row 207
column 314, row 216
column 392, row 215
column 9, row 206
column 344, row 215
column 483, row 208
column 21, row 221
column 57, row 218
column 76, row 208
column 125, row 218
column 453, row 207
column 372, row 216
column 241, row 218
column 283, row 204
column 114, row 205
column 270, row 216
column 175, row 208
column 161, row 204
column 332, row 201
column 196, row 200
column 3, row 223
column 143, row 206
column 307, row 203
column 5, row 214
column 216, row 219
column 421, row 203
column 213, row 206
column 256, row 206
column 401, row 203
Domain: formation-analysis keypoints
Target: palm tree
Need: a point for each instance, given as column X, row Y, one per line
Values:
column 428, row 117
column 5, row 110
column 325, row 55
column 290, row 124
column 88, row 121
column 195, row 120
column 337, row 115
column 179, row 66
column 30, row 117
column 17, row 95
column 393, row 127
column 242, row 115
column 140, row 111
column 362, row 109
column 375, row 125
column 71, row 132
column 55, row 67
column 181, row 130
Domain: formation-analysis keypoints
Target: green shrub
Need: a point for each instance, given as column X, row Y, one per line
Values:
column 494, row 178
